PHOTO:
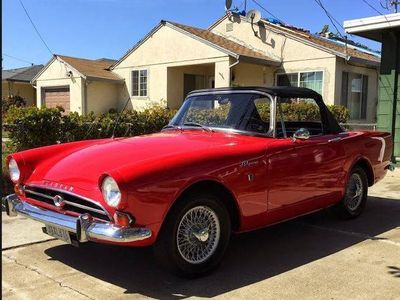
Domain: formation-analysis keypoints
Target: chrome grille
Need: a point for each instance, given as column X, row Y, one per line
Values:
column 70, row 201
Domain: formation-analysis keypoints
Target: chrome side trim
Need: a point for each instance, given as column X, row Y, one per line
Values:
column 106, row 213
column 85, row 228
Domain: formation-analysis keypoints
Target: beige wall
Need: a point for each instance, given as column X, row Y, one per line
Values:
column 55, row 76
column 294, row 55
column 245, row 74
column 273, row 44
column 175, row 81
column 165, row 49
column 372, row 74
column 101, row 96
column 23, row 89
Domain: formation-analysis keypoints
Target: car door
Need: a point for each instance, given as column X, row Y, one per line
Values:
column 308, row 171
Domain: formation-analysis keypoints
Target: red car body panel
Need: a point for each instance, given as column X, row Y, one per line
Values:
column 270, row 179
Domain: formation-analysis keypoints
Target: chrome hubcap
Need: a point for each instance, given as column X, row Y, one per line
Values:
column 198, row 234
column 354, row 193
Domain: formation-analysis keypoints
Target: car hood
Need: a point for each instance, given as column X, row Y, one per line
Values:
column 83, row 167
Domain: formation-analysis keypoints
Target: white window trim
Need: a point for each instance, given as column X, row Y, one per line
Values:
column 298, row 77
column 130, row 84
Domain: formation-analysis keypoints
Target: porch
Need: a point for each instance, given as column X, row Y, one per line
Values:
column 183, row 79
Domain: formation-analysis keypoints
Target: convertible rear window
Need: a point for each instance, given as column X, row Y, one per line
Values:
column 298, row 113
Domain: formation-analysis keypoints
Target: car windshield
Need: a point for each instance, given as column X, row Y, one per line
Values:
column 235, row 111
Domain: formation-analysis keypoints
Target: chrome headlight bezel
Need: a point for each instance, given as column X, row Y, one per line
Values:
column 14, row 171
column 111, row 192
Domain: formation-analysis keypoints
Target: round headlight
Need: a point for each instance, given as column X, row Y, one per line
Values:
column 111, row 192
column 14, row 170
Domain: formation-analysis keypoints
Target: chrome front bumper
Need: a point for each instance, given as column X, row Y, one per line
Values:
column 85, row 228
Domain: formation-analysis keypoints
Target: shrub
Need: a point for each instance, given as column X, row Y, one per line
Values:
column 340, row 112
column 33, row 127
column 17, row 101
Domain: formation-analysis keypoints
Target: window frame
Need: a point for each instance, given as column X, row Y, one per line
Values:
column 298, row 77
column 364, row 94
column 138, row 84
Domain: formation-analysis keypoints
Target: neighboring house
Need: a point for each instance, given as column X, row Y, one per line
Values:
column 174, row 59
column 77, row 84
column 16, row 82
column 385, row 29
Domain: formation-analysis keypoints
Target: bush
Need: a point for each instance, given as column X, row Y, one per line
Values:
column 32, row 127
column 17, row 101
column 35, row 127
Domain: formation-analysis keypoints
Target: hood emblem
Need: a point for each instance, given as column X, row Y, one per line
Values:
column 58, row 201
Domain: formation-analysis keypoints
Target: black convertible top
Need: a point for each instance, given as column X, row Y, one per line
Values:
column 330, row 125
column 280, row 91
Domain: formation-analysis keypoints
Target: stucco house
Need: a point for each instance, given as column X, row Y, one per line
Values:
column 78, row 84
column 16, row 82
column 173, row 59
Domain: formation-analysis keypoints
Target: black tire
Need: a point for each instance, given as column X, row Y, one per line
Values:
column 351, row 207
column 166, row 247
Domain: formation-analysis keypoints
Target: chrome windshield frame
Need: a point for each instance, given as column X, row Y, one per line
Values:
column 271, row 130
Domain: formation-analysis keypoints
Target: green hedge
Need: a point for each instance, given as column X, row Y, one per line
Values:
column 32, row 127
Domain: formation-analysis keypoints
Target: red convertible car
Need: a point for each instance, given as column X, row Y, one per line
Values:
column 231, row 160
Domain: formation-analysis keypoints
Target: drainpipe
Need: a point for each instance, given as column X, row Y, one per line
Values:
column 230, row 68
column 395, row 92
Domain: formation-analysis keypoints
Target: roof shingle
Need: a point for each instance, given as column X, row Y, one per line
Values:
column 324, row 42
column 98, row 69
column 225, row 43
column 25, row 74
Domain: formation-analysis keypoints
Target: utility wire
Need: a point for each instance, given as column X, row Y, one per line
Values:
column 33, row 24
column 331, row 18
column 16, row 58
column 267, row 11
column 372, row 7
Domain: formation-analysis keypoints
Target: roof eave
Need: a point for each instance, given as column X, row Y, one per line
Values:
column 365, row 62
column 259, row 60
column 33, row 81
column 95, row 78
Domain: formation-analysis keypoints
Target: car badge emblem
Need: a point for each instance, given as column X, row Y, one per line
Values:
column 58, row 201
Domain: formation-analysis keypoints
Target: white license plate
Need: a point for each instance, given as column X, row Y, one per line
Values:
column 58, row 233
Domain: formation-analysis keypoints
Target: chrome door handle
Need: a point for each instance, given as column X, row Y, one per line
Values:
column 336, row 139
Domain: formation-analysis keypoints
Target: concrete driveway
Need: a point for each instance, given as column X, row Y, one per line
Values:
column 314, row 257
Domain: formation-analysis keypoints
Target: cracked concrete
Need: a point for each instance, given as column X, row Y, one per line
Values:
column 313, row 257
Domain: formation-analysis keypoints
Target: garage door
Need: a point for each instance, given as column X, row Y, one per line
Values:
column 57, row 97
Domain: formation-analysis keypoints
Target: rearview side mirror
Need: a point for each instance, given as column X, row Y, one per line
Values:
column 301, row 134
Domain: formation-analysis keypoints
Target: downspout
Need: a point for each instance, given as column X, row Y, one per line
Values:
column 230, row 68
column 85, row 105
column 395, row 92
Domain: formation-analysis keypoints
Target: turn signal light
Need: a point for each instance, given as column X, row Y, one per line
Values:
column 18, row 189
column 122, row 219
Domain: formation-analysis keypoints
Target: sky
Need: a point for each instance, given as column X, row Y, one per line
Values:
column 108, row 28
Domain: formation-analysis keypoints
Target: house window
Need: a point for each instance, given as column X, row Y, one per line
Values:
column 139, row 83
column 355, row 94
column 311, row 80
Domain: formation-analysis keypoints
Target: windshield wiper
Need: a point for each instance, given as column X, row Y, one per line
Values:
column 194, row 124
column 171, row 126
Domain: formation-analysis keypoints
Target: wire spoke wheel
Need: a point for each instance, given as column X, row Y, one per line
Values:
column 354, row 193
column 198, row 234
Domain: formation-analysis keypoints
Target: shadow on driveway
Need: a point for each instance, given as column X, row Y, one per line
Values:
column 251, row 257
